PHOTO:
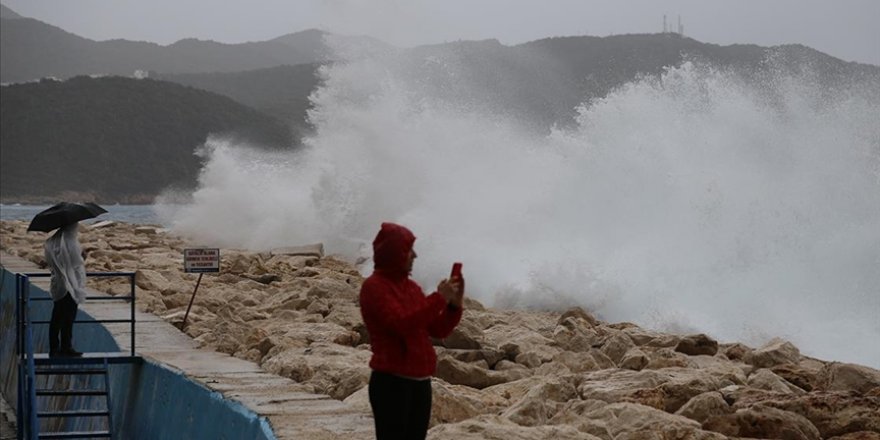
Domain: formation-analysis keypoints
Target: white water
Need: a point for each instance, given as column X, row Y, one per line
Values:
column 686, row 203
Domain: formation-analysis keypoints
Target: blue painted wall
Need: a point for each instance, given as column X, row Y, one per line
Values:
column 148, row 401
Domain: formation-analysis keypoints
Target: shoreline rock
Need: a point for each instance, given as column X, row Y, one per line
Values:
column 503, row 373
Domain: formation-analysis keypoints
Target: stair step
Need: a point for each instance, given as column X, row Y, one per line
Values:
column 58, row 371
column 79, row 413
column 71, row 393
column 76, row 434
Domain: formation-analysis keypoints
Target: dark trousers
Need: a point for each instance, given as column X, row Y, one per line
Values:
column 401, row 407
column 63, row 315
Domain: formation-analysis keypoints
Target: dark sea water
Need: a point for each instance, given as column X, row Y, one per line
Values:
column 140, row 214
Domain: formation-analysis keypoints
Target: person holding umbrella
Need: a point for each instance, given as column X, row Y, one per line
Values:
column 66, row 261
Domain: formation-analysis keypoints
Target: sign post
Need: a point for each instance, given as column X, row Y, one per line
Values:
column 199, row 261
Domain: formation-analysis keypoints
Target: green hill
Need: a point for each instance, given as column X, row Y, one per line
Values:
column 116, row 139
column 281, row 92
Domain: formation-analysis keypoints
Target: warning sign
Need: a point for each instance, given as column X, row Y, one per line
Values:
column 201, row 260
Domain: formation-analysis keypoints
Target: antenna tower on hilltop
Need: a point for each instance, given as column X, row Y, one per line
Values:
column 667, row 28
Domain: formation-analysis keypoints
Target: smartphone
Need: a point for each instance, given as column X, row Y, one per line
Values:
column 456, row 270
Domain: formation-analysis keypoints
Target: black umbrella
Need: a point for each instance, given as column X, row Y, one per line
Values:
column 64, row 214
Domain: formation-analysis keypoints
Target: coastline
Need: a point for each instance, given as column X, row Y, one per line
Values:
column 540, row 374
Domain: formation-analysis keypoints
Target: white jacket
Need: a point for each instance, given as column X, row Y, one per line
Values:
column 64, row 257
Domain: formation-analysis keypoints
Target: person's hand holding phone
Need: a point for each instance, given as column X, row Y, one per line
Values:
column 457, row 280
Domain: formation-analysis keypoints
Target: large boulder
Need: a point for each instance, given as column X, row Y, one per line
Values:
column 832, row 413
column 696, row 345
column 765, row 379
column 668, row 389
column 860, row 435
column 803, row 378
column 332, row 369
column 488, row 355
column 466, row 335
column 773, row 353
column 580, row 314
column 579, row 362
column 462, row 373
column 496, row 427
column 150, row 280
column 703, row 406
column 838, row 376
column 454, row 403
column 616, row 345
column 540, row 402
column 634, row 359
column 665, row 358
column 634, row 421
column 763, row 422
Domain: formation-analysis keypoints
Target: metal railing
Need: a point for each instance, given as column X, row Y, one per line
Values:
column 26, row 401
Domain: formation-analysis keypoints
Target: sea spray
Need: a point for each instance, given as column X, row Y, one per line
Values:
column 692, row 201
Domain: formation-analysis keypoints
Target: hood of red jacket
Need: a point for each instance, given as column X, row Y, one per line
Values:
column 391, row 249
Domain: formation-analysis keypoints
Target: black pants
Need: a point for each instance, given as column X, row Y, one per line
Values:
column 401, row 407
column 63, row 315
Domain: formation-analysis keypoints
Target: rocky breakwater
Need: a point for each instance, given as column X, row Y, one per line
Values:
column 509, row 374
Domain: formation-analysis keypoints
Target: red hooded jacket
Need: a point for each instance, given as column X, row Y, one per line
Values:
column 399, row 317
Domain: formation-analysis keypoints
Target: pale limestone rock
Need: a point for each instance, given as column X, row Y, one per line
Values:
column 832, row 413
column 765, row 379
column 150, row 280
column 488, row 355
column 775, row 352
column 540, row 402
column 466, row 335
column 699, row 344
column 331, row 288
column 860, row 435
column 513, row 340
column 580, row 314
column 703, row 406
column 634, row 359
column 616, row 346
column 732, row 372
column 735, row 351
column 763, row 422
column 632, row 421
column 332, row 369
column 319, row 332
column 515, row 390
column 505, row 364
column 641, row 336
column 579, row 362
column 530, row 359
column 495, row 427
column 838, row 376
column 573, row 411
column 453, row 403
column 667, row 389
column 806, row 379
column 461, row 373
column 302, row 323
column 665, row 358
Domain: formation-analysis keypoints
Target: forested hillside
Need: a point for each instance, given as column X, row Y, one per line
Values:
column 281, row 92
column 117, row 139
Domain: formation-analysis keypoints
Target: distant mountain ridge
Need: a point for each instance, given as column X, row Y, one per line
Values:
column 31, row 49
column 8, row 13
column 115, row 139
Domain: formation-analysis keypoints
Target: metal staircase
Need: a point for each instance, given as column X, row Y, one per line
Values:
column 48, row 387
column 80, row 383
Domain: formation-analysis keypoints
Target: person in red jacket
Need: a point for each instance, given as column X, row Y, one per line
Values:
column 401, row 321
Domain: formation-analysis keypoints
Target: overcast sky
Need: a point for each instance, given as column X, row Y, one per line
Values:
column 847, row 29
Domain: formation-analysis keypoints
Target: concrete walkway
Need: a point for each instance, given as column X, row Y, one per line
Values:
column 292, row 414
